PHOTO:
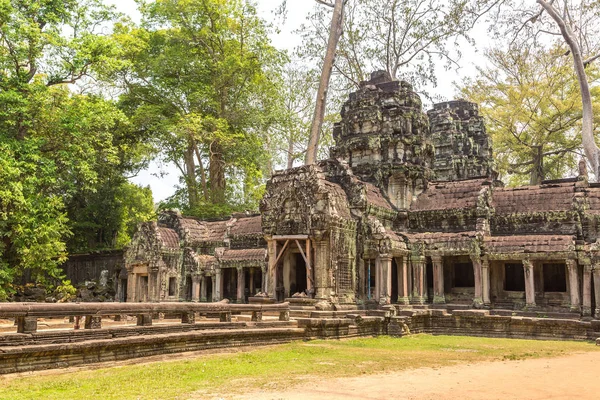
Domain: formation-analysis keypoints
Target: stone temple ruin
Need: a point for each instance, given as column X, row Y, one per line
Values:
column 407, row 210
column 404, row 229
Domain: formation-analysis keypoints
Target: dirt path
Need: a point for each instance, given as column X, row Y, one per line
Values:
column 570, row 377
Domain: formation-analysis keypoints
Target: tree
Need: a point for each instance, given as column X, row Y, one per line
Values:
column 203, row 81
column 572, row 23
column 56, row 146
column 530, row 99
column 335, row 32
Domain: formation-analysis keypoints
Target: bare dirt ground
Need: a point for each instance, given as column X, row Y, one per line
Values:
column 570, row 377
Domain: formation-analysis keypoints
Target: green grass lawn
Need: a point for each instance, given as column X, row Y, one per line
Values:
column 276, row 367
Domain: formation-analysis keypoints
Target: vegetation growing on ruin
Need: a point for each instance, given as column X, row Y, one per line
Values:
column 277, row 367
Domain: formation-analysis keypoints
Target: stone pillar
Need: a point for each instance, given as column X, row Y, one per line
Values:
column 377, row 291
column 252, row 291
column 418, row 263
column 478, row 297
column 586, row 310
column 403, row 293
column 130, row 284
column 529, row 284
column 215, row 292
column 240, row 285
column 485, row 281
column 270, row 277
column 574, row 285
column 219, row 284
column 439, row 295
column 153, row 284
column 263, row 284
column 203, row 288
column 195, row 288
column 596, row 277
column 385, row 273
column 321, row 268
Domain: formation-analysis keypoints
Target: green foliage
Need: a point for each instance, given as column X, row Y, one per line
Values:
column 530, row 99
column 203, row 81
column 60, row 152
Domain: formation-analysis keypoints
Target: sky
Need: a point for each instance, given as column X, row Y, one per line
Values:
column 162, row 178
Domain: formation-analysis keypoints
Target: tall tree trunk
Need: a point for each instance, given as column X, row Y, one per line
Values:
column 190, row 174
column 587, row 130
column 290, row 151
column 216, row 172
column 537, row 169
column 202, row 173
column 335, row 33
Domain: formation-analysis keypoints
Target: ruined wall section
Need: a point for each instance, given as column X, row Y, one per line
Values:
column 463, row 149
column 384, row 138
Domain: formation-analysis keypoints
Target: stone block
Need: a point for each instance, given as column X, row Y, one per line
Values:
column 26, row 324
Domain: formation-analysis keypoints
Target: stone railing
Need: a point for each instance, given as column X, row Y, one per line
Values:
column 26, row 314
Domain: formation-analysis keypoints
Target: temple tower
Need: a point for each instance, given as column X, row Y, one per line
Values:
column 384, row 137
column 463, row 149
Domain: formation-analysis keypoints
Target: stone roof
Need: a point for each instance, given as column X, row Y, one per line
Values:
column 244, row 255
column 431, row 237
column 215, row 231
column 375, row 197
column 247, row 226
column 450, row 195
column 168, row 237
column 529, row 244
column 526, row 199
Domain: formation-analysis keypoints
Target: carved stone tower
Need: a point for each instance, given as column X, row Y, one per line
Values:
column 384, row 138
column 462, row 147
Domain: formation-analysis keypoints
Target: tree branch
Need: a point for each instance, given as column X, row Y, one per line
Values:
column 325, row 3
column 590, row 60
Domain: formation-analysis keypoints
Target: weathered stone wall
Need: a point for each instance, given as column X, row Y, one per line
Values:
column 462, row 147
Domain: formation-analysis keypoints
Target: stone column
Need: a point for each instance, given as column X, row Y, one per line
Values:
column 263, row 280
column 270, row 277
column 377, row 291
column 216, row 283
column 195, row 288
column 385, row 273
column 418, row 263
column 596, row 277
column 251, row 285
column 439, row 296
column 203, row 288
column 153, row 283
column 485, row 281
column 321, row 268
column 574, row 285
column 130, row 284
column 587, row 291
column 240, row 285
column 478, row 297
column 529, row 284
column 403, row 280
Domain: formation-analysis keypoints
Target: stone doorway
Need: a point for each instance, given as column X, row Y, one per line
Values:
column 291, row 268
column 230, row 283
column 142, row 292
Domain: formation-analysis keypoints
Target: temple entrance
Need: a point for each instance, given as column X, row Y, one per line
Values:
column 429, row 279
column 459, row 279
column 291, row 271
column 394, row 281
column 291, row 276
column 142, row 292
column 209, row 288
column 229, row 283
column 188, row 288
column 252, row 281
